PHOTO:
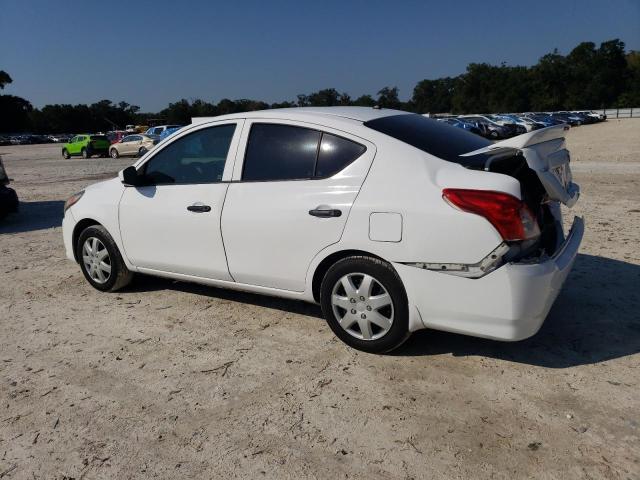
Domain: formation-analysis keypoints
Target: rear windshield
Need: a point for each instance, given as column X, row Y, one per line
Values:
column 436, row 138
column 98, row 137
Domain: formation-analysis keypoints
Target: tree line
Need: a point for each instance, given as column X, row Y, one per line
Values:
column 589, row 77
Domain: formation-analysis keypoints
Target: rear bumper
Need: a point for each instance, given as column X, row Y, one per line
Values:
column 511, row 303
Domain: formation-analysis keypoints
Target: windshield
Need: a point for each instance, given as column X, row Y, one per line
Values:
column 436, row 138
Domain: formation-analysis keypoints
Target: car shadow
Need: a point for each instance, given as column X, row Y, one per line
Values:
column 33, row 216
column 594, row 319
column 146, row 283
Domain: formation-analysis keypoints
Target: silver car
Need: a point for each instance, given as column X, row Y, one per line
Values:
column 133, row 145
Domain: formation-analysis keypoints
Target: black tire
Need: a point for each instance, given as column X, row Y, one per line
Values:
column 65, row 154
column 120, row 276
column 8, row 201
column 85, row 153
column 142, row 151
column 388, row 278
column 113, row 153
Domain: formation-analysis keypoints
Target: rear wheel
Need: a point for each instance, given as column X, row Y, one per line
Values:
column 365, row 304
column 100, row 260
column 142, row 151
column 65, row 154
column 114, row 153
column 85, row 153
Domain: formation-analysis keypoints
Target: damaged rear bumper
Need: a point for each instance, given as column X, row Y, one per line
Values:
column 511, row 303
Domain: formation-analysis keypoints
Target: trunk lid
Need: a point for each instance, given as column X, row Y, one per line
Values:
column 545, row 153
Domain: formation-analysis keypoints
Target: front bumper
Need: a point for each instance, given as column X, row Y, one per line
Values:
column 510, row 303
column 68, row 224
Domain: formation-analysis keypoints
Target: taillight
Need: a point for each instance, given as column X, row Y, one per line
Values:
column 510, row 216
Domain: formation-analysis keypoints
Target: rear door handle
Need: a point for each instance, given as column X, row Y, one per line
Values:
column 199, row 208
column 325, row 212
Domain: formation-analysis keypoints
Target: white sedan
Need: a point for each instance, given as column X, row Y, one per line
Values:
column 391, row 221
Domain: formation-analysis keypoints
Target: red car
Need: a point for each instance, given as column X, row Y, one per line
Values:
column 115, row 137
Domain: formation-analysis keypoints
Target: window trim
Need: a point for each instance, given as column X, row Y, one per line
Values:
column 315, row 163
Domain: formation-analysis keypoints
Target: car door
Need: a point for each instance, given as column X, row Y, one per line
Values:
column 289, row 199
column 134, row 144
column 124, row 145
column 71, row 147
column 173, row 223
column 78, row 144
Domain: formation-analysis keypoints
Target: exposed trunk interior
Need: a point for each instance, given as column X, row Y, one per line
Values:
column 536, row 198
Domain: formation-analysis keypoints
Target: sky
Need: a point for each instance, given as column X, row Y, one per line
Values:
column 150, row 53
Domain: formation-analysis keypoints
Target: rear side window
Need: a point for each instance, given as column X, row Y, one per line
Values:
column 285, row 152
column 195, row 158
column 335, row 154
column 436, row 138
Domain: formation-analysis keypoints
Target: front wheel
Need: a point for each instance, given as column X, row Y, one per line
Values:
column 114, row 153
column 142, row 151
column 365, row 304
column 100, row 260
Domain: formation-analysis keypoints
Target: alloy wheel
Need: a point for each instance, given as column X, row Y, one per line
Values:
column 362, row 306
column 97, row 262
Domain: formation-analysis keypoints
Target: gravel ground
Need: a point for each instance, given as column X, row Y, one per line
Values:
column 169, row 379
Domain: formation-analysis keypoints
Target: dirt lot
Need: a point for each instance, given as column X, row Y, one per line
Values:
column 168, row 380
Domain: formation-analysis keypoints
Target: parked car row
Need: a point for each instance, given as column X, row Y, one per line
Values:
column 505, row 125
column 29, row 139
column 117, row 143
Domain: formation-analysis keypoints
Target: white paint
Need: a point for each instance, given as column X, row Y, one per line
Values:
column 259, row 236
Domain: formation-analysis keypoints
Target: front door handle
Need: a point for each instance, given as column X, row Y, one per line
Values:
column 325, row 212
column 199, row 208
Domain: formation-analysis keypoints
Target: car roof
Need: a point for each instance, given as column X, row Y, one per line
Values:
column 359, row 114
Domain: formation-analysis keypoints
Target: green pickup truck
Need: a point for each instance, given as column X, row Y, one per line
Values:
column 86, row 145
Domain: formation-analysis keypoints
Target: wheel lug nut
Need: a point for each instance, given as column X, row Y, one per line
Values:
column 353, row 300
column 362, row 299
column 363, row 316
column 369, row 307
column 353, row 311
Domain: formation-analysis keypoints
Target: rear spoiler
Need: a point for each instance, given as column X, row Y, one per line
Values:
column 545, row 154
column 522, row 141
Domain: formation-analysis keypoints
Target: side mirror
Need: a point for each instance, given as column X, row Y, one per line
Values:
column 129, row 177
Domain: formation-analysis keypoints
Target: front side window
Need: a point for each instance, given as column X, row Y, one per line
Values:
column 195, row 158
column 285, row 152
